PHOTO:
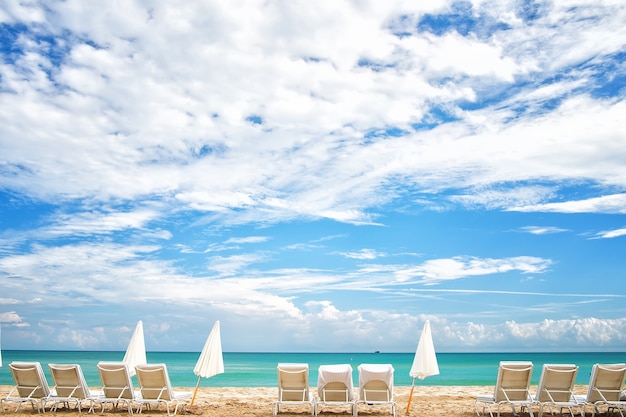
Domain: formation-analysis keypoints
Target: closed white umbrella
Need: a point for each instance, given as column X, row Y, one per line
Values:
column 0, row 347
column 211, row 361
column 136, row 351
column 425, row 360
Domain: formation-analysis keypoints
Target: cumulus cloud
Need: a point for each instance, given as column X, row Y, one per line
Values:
column 12, row 318
column 145, row 150
column 141, row 144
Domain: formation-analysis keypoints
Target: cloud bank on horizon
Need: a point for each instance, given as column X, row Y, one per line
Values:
column 318, row 176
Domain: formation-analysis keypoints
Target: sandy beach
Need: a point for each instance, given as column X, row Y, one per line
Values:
column 428, row 401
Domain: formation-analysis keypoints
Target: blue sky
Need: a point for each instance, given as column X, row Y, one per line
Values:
column 318, row 176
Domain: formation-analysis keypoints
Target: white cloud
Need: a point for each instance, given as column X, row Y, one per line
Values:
column 437, row 270
column 493, row 198
column 609, row 234
column 154, row 135
column 542, row 230
column 247, row 239
column 168, row 124
column 80, row 275
column 231, row 265
column 363, row 254
column 454, row 55
column 591, row 331
column 92, row 223
column 143, row 284
column 11, row 317
column 82, row 339
column 613, row 204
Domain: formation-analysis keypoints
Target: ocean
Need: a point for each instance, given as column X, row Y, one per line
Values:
column 259, row 369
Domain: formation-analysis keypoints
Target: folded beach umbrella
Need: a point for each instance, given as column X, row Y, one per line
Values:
column 0, row 347
column 136, row 351
column 425, row 360
column 211, row 361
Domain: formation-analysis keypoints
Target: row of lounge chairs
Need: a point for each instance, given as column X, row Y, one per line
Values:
column 71, row 390
column 555, row 391
column 335, row 387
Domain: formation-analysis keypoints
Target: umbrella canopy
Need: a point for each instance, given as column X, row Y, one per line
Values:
column 211, row 362
column 425, row 361
column 136, row 351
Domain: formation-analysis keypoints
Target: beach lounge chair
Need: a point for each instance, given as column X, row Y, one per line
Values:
column 293, row 386
column 117, row 386
column 30, row 386
column 555, row 389
column 605, row 388
column 376, row 386
column 70, row 387
column 335, row 387
column 156, row 389
column 512, row 389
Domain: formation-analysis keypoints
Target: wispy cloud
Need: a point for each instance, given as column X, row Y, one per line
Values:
column 613, row 204
column 93, row 223
column 609, row 234
column 247, row 239
column 280, row 166
column 437, row 270
column 363, row 254
column 542, row 230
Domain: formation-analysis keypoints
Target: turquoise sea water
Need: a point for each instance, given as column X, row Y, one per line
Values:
column 259, row 369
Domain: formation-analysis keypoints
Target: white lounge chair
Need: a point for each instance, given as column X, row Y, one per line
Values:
column 70, row 387
column 556, row 388
column 117, row 386
column 605, row 388
column 376, row 386
column 512, row 389
column 335, row 387
column 156, row 388
column 30, row 386
column 293, row 386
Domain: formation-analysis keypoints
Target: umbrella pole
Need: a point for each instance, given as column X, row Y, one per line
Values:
column 195, row 392
column 408, row 406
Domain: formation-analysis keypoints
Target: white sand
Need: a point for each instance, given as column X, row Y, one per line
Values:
column 428, row 401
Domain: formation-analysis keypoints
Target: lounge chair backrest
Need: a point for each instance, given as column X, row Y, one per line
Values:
column 293, row 382
column 376, row 382
column 116, row 380
column 606, row 382
column 513, row 381
column 69, row 381
column 335, row 392
column 375, row 391
column 335, row 383
column 154, row 381
column 30, row 380
column 556, row 383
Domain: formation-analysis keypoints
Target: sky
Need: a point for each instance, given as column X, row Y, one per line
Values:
column 318, row 176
